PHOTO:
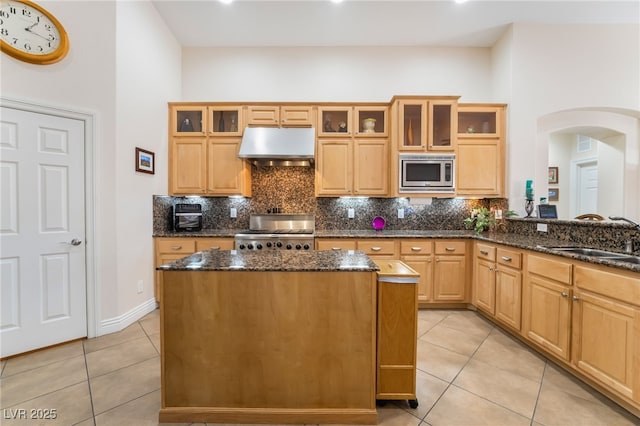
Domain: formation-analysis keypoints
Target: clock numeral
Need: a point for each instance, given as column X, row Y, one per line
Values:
column 4, row 32
column 4, row 14
column 27, row 47
column 15, row 41
column 26, row 12
column 12, row 10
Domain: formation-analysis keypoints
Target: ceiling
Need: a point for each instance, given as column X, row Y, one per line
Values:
column 476, row 23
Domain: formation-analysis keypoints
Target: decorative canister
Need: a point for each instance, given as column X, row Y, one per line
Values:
column 369, row 125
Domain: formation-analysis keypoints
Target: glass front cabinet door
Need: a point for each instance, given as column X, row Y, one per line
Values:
column 442, row 125
column 188, row 120
column 477, row 121
column 225, row 120
column 371, row 121
column 412, row 125
column 334, row 121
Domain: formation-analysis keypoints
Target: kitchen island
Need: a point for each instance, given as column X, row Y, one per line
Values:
column 272, row 337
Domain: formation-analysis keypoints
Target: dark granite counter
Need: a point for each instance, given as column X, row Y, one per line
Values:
column 274, row 260
column 205, row 233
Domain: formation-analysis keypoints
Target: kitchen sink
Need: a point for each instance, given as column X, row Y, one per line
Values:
column 602, row 254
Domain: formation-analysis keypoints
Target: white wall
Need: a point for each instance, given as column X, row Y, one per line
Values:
column 148, row 75
column 340, row 74
column 558, row 68
column 126, row 83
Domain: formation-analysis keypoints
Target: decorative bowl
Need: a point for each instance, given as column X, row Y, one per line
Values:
column 378, row 223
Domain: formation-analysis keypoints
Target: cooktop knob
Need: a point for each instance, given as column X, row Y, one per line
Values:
column 241, row 246
column 279, row 244
column 259, row 246
column 269, row 244
column 306, row 246
column 250, row 246
column 298, row 246
column 288, row 246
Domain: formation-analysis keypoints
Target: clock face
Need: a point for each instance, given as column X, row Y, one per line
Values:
column 29, row 33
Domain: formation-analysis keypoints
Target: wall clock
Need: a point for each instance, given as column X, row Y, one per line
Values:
column 30, row 33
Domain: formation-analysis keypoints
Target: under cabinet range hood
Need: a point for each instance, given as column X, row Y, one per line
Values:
column 278, row 146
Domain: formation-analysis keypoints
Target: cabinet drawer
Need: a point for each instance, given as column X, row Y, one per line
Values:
column 376, row 247
column 509, row 258
column 450, row 247
column 214, row 243
column 608, row 283
column 335, row 244
column 416, row 247
column 487, row 252
column 176, row 245
column 549, row 268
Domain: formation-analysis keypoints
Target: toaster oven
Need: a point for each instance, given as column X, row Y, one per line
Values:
column 187, row 217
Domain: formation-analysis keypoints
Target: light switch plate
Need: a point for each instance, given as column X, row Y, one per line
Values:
column 351, row 213
column 233, row 212
column 542, row 227
column 400, row 213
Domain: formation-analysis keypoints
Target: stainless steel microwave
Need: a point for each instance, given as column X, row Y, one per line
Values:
column 426, row 173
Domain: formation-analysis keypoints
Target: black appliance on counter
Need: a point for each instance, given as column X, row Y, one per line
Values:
column 187, row 217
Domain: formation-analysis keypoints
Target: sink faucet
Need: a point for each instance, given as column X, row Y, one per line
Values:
column 637, row 225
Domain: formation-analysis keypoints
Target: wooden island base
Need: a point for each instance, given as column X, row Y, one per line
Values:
column 268, row 346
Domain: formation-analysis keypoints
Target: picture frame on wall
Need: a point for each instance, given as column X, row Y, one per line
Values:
column 554, row 194
column 553, row 175
column 145, row 161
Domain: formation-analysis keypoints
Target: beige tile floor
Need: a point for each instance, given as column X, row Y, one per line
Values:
column 469, row 373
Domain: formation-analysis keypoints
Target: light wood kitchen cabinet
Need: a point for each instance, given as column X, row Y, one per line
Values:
column 334, row 121
column 450, row 271
column 509, row 287
column 226, row 120
column 187, row 166
column 418, row 255
column 426, row 124
column 187, row 120
column 273, row 115
column 379, row 248
column 352, row 167
column 606, row 321
column 167, row 250
column 480, row 162
column 335, row 244
column 484, row 283
column 547, row 303
column 227, row 174
column 371, row 121
column 216, row 243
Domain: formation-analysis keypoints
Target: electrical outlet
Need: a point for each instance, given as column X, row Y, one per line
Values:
column 541, row 227
column 400, row 213
column 351, row 213
column 140, row 286
column 234, row 212
column 498, row 214
column 475, row 212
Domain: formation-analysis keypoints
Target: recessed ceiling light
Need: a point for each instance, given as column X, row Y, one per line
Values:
column 460, row 1
column 336, row 1
column 225, row 1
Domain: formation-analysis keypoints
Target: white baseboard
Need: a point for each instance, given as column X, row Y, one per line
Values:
column 121, row 322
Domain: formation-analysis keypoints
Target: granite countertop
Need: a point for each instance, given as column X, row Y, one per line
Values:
column 274, row 260
column 527, row 242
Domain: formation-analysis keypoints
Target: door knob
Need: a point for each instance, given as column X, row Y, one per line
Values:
column 75, row 242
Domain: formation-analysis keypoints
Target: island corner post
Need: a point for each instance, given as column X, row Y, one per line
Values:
column 243, row 346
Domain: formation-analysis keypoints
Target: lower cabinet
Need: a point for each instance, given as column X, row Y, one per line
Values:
column 450, row 271
column 170, row 249
column 418, row 255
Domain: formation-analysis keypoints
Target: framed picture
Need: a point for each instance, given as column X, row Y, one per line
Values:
column 553, row 175
column 145, row 161
column 554, row 194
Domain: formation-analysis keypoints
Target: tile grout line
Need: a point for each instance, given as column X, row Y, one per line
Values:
column 86, row 367
column 533, row 415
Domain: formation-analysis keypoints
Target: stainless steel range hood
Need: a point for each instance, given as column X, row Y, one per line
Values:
column 278, row 146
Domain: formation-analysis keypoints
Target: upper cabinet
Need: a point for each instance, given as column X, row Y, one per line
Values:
column 371, row 121
column 334, row 121
column 426, row 124
column 285, row 116
column 480, row 121
column 225, row 120
column 187, row 120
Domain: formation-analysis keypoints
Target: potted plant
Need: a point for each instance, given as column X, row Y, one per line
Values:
column 481, row 219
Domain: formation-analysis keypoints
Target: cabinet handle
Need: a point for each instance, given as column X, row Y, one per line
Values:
column 486, row 253
column 176, row 247
column 564, row 294
column 416, row 248
column 450, row 249
column 575, row 298
column 376, row 248
column 215, row 248
column 506, row 258
column 336, row 248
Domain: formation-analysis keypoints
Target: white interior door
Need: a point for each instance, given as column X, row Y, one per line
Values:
column 42, row 230
column 587, row 188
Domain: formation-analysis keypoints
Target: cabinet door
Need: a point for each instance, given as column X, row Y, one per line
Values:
column 188, row 120
column 449, row 278
column 334, row 122
column 508, row 308
column 371, row 121
column 225, row 120
column 442, row 125
column 228, row 174
column 479, row 168
column 604, row 339
column 334, row 168
column 424, row 266
column 548, row 310
column 412, row 125
column 296, row 115
column 476, row 121
column 484, row 295
column 167, row 250
column 371, row 165
column 188, row 166
column 263, row 115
